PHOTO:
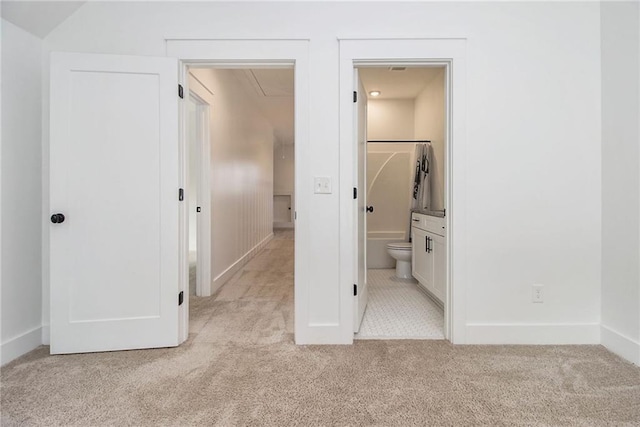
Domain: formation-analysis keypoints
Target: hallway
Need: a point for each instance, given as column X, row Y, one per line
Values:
column 256, row 305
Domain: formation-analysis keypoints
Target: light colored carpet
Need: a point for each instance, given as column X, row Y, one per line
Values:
column 241, row 367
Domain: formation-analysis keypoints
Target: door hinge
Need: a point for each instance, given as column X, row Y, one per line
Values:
column 355, row 193
column 355, row 96
column 180, row 91
column 355, row 290
column 198, row 209
column 181, row 194
column 180, row 297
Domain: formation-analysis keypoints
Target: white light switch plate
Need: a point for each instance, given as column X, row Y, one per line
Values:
column 322, row 185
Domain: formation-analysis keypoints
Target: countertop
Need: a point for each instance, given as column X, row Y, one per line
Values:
column 439, row 214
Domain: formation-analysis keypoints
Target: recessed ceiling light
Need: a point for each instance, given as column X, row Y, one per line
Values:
column 374, row 93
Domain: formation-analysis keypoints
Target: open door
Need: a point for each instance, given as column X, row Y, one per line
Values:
column 114, row 199
column 360, row 113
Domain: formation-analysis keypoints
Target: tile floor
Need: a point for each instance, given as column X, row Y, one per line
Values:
column 397, row 309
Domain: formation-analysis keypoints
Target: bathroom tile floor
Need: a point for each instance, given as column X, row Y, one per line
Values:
column 397, row 309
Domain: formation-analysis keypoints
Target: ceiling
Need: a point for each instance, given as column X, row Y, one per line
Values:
column 38, row 17
column 273, row 88
column 407, row 83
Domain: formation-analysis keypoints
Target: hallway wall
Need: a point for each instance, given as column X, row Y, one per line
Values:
column 241, row 173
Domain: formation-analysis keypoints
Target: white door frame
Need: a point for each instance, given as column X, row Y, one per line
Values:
column 203, row 190
column 417, row 52
column 262, row 54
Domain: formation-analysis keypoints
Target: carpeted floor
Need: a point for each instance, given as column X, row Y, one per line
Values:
column 241, row 367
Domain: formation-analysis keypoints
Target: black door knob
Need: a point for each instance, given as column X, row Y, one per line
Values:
column 57, row 218
column 370, row 209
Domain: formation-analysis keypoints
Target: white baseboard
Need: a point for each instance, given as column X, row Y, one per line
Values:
column 223, row 277
column 283, row 225
column 578, row 333
column 22, row 344
column 621, row 345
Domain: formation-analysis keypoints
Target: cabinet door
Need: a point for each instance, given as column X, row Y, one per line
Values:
column 422, row 265
column 439, row 266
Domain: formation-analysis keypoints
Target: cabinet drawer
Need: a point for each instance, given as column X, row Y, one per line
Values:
column 428, row 223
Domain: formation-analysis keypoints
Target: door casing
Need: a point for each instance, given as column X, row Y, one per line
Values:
column 361, row 53
column 244, row 54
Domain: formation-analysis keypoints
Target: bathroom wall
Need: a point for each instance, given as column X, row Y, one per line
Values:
column 430, row 122
column 390, row 119
column 241, row 173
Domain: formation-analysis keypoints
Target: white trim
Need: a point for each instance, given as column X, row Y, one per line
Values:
column 265, row 52
column 46, row 335
column 22, row 344
column 544, row 333
column 621, row 345
column 204, row 249
column 292, row 198
column 410, row 51
column 223, row 277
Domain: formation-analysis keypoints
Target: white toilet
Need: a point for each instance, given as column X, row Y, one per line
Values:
column 401, row 252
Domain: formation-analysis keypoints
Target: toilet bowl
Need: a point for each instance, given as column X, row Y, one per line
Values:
column 401, row 252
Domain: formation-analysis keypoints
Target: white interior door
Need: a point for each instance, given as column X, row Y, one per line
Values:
column 360, row 300
column 114, row 175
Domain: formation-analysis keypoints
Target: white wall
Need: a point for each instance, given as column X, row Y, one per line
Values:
column 430, row 119
column 241, row 173
column 533, row 154
column 21, row 192
column 283, row 168
column 621, row 179
column 390, row 119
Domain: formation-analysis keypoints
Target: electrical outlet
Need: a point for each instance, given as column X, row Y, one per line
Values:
column 538, row 294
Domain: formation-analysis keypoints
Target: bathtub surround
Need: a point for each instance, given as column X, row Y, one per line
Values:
column 389, row 187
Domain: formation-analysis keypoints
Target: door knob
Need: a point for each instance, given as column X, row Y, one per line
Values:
column 370, row 209
column 57, row 218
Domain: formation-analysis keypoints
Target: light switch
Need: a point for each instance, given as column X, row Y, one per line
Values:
column 322, row 185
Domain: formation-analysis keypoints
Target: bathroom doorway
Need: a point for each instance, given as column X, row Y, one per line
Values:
column 404, row 192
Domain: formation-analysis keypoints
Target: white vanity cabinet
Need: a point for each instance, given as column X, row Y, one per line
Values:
column 428, row 265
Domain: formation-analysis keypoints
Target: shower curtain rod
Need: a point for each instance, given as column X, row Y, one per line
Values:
column 413, row 141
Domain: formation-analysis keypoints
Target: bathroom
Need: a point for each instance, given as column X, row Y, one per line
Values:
column 405, row 198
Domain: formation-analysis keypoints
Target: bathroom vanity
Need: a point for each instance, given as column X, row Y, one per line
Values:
column 428, row 265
